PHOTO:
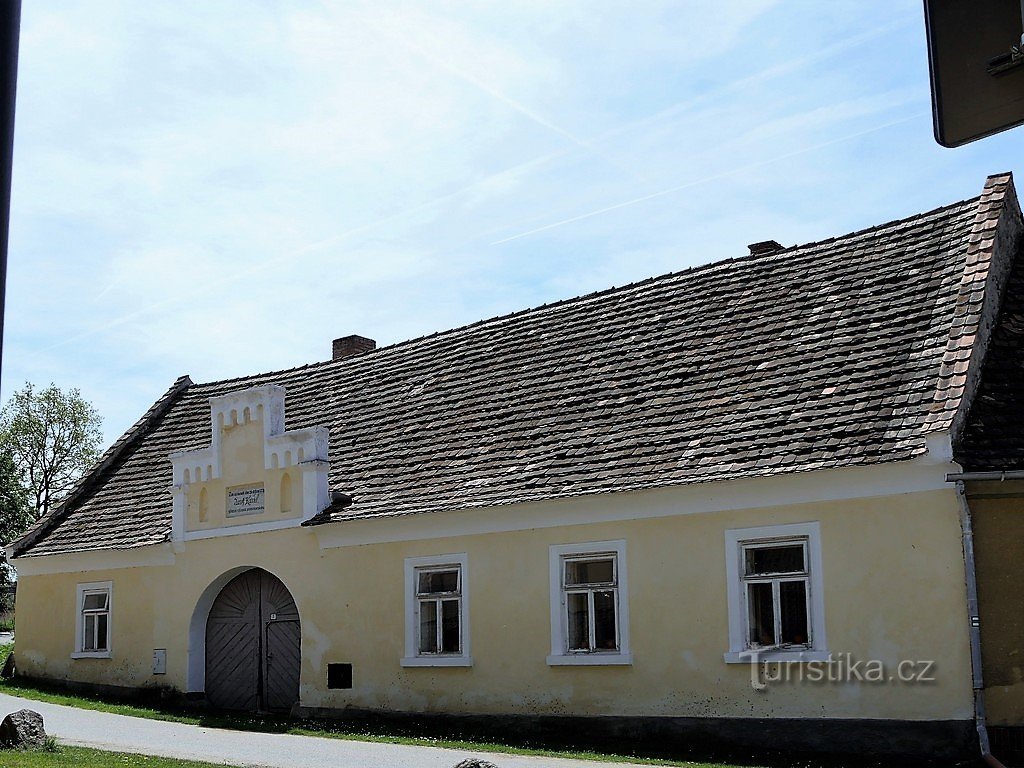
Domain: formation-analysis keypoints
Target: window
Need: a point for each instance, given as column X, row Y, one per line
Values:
column 591, row 593
column 776, row 606
column 436, row 612
column 589, row 612
column 93, row 621
column 775, row 584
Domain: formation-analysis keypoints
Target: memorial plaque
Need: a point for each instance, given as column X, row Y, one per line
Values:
column 245, row 500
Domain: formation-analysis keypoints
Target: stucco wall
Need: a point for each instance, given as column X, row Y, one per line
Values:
column 242, row 462
column 894, row 590
column 997, row 510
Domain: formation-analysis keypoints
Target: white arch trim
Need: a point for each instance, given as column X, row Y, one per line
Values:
column 196, row 682
column 196, row 677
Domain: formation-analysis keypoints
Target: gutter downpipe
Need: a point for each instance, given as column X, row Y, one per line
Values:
column 974, row 632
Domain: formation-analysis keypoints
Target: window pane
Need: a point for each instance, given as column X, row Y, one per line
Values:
column 428, row 626
column 450, row 639
column 604, row 620
column 578, row 621
column 761, row 614
column 783, row 559
column 793, row 607
column 95, row 601
column 101, row 632
column 89, row 633
column 589, row 572
column 434, row 582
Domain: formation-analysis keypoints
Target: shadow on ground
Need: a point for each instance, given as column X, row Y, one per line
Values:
column 434, row 730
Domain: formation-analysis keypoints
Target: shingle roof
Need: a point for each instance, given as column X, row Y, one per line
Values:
column 993, row 436
column 830, row 354
column 993, row 240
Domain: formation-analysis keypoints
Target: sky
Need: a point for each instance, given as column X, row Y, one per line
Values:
column 219, row 189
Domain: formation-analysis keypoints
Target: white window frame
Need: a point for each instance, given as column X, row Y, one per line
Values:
column 81, row 591
column 560, row 655
column 736, row 539
column 413, row 658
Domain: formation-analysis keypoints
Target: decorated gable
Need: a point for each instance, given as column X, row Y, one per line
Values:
column 254, row 475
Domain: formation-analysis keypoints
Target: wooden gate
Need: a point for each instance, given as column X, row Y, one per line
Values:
column 253, row 645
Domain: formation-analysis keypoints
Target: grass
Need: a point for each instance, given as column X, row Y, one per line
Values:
column 80, row 757
column 5, row 651
column 428, row 732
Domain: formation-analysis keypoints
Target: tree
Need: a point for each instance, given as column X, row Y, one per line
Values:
column 15, row 512
column 52, row 437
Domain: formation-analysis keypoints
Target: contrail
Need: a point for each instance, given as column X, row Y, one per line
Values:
column 292, row 254
column 768, row 73
column 578, row 142
column 714, row 177
column 476, row 82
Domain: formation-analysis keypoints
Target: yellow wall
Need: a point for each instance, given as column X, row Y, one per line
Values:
column 242, row 464
column 894, row 590
column 997, row 511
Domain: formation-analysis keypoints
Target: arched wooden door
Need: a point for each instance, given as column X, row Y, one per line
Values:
column 253, row 645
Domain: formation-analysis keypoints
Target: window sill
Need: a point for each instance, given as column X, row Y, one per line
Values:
column 590, row 659
column 437, row 661
column 91, row 655
column 784, row 656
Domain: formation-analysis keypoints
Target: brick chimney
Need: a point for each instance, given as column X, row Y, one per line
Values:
column 765, row 247
column 347, row 346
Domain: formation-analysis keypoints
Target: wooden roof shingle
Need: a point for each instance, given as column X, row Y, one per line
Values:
column 832, row 354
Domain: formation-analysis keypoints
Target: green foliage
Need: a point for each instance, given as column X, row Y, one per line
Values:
column 51, row 745
column 53, row 437
column 15, row 515
column 5, row 651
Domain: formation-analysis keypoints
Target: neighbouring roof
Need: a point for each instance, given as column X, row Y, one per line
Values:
column 837, row 353
column 993, row 437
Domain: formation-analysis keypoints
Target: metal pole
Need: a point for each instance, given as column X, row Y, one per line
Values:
column 10, row 25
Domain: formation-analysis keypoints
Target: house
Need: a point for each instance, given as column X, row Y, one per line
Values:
column 765, row 499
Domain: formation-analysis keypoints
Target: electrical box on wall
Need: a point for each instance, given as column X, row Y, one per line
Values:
column 160, row 661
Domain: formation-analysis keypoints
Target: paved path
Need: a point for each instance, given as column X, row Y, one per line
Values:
column 119, row 733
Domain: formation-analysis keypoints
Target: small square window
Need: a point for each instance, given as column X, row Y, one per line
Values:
column 339, row 676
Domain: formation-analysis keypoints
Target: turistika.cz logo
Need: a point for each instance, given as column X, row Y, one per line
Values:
column 836, row 669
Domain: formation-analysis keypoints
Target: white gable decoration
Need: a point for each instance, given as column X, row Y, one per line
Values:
column 304, row 449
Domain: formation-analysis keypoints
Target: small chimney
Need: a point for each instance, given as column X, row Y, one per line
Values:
column 347, row 346
column 765, row 247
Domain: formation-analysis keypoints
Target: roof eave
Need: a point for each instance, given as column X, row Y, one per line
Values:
column 47, row 523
